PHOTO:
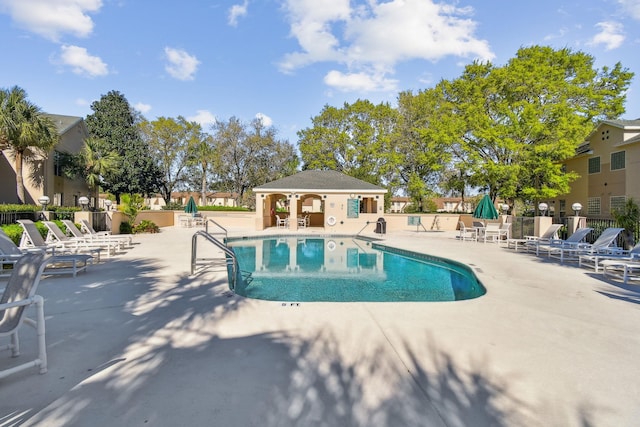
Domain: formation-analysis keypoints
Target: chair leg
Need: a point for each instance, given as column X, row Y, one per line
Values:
column 40, row 329
column 15, row 345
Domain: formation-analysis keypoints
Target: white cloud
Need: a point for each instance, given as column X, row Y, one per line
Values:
column 266, row 120
column 142, row 107
column 52, row 18
column 610, row 35
column 237, row 11
column 81, row 62
column 371, row 37
column 203, row 117
column 181, row 66
column 632, row 7
column 359, row 82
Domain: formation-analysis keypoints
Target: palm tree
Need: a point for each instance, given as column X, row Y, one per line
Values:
column 94, row 163
column 25, row 130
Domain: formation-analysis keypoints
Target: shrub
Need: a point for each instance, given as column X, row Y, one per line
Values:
column 125, row 228
column 173, row 206
column 14, row 231
column 146, row 226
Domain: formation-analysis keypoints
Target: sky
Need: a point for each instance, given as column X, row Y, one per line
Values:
column 284, row 60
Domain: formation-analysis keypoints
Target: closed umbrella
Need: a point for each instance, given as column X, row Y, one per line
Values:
column 485, row 209
column 191, row 206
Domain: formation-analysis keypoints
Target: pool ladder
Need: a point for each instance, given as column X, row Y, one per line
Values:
column 230, row 256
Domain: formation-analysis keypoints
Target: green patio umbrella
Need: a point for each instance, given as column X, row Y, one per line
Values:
column 485, row 209
column 191, row 206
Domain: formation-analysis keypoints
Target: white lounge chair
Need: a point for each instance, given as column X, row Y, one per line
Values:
column 621, row 268
column 572, row 241
column 58, row 264
column 531, row 242
column 105, row 239
column 19, row 294
column 605, row 244
column 88, row 229
column 594, row 260
column 57, row 236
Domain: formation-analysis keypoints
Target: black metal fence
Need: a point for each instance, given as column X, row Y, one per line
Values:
column 101, row 221
column 7, row 218
column 522, row 226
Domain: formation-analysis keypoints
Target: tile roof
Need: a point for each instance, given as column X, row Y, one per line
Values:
column 319, row 180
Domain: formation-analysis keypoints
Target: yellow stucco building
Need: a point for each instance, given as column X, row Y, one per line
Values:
column 608, row 163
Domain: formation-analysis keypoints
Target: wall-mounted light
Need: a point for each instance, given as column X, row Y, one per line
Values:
column 262, row 195
column 577, row 207
column 543, row 207
column 353, row 196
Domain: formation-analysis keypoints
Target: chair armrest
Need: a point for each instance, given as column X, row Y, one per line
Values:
column 20, row 303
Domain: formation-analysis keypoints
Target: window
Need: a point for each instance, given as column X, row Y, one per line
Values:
column 617, row 160
column 617, row 203
column 593, row 206
column 562, row 207
column 57, row 165
column 594, row 165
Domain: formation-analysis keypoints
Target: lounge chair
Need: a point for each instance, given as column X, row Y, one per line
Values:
column 467, row 233
column 603, row 245
column 88, row 229
column 19, row 294
column 58, row 264
column 31, row 239
column 621, row 268
column 103, row 239
column 9, row 254
column 57, row 236
column 531, row 242
column 572, row 241
column 595, row 260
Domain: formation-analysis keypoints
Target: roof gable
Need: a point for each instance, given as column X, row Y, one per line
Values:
column 319, row 180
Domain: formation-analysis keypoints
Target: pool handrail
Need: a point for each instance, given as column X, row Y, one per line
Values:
column 365, row 226
column 206, row 227
column 228, row 252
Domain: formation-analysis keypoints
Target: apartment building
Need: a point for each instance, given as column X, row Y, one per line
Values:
column 608, row 163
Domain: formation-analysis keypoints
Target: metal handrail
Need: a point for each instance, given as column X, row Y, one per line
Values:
column 206, row 226
column 365, row 226
column 228, row 252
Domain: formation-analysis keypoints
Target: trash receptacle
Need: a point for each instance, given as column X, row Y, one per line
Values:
column 381, row 226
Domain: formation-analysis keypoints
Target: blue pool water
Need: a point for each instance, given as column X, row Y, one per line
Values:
column 346, row 269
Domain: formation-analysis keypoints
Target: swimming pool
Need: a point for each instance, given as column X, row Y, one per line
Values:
column 346, row 269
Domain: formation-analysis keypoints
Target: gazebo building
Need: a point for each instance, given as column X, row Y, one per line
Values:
column 318, row 198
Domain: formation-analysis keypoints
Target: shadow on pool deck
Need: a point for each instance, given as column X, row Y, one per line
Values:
column 137, row 341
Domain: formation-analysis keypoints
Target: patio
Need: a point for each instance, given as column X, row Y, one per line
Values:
column 136, row 341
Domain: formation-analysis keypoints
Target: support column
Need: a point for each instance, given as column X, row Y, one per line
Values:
column 541, row 224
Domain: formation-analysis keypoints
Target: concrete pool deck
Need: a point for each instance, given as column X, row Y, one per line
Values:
column 137, row 341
